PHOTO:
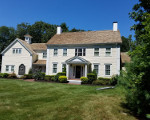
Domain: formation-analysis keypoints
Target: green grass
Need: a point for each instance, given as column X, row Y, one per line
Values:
column 21, row 100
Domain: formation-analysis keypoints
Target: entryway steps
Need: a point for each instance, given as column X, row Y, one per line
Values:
column 76, row 82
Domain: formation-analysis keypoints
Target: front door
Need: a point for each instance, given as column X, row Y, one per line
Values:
column 21, row 69
column 78, row 71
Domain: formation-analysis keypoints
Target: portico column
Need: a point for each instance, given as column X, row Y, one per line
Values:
column 67, row 71
column 85, row 70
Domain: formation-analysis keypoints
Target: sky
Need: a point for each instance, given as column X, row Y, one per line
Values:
column 81, row 14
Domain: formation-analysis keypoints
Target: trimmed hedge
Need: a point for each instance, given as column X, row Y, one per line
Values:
column 4, row 75
column 91, row 77
column 62, row 79
column 49, row 77
column 84, row 80
column 27, row 76
column 100, row 82
column 58, row 75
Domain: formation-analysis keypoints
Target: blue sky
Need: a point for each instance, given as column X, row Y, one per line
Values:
column 81, row 14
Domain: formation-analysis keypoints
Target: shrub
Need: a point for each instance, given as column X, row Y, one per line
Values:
column 91, row 77
column 28, row 76
column 58, row 75
column 49, row 77
column 53, row 78
column 5, row 75
column 12, row 75
column 62, row 79
column 101, row 78
column 84, row 80
column 1, row 75
column 38, row 75
column 94, row 72
column 114, row 80
column 100, row 82
column 30, row 71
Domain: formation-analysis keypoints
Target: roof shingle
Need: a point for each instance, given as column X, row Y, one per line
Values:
column 38, row 46
column 88, row 37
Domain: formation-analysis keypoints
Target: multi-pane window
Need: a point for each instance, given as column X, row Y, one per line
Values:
column 107, row 69
column 12, row 68
column 108, row 51
column 44, row 55
column 64, row 52
column 96, row 68
column 54, row 68
column 63, row 67
column 55, row 52
column 9, row 68
column 96, row 51
column 17, row 50
column 80, row 52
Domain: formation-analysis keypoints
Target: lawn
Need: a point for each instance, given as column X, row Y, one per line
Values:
column 22, row 100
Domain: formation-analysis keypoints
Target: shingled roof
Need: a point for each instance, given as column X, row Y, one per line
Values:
column 38, row 46
column 88, row 37
column 125, row 57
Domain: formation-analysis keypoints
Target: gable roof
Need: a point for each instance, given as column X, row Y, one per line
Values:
column 23, row 43
column 88, row 37
column 125, row 57
column 77, row 59
column 38, row 46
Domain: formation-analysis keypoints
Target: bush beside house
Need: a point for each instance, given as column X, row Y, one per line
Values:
column 62, row 79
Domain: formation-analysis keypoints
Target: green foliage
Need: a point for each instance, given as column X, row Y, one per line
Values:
column 38, row 75
column 58, row 75
column 62, row 79
column 91, row 77
column 5, row 75
column 28, row 76
column 49, row 77
column 100, row 82
column 114, row 80
column 84, row 80
column 64, row 70
column 102, row 78
column 12, row 75
column 30, row 71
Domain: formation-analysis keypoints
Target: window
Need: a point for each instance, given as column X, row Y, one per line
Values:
column 45, row 55
column 107, row 69
column 64, row 52
column 80, row 52
column 55, row 52
column 96, row 51
column 12, row 68
column 7, row 68
column 54, row 68
column 63, row 67
column 108, row 51
column 17, row 50
column 96, row 68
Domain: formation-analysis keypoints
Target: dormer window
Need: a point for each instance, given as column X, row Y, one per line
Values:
column 17, row 51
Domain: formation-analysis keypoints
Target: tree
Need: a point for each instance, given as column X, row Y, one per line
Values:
column 64, row 27
column 76, row 30
column 136, row 78
column 138, row 15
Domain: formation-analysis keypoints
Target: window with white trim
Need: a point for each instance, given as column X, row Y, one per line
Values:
column 16, row 50
column 54, row 68
column 63, row 67
column 44, row 55
column 96, row 51
column 107, row 69
column 108, row 51
column 55, row 52
column 96, row 68
column 9, row 68
column 65, row 52
column 80, row 52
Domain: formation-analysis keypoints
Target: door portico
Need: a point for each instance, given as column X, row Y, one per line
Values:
column 76, row 67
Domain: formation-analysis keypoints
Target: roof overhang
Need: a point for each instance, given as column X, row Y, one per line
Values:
column 77, row 60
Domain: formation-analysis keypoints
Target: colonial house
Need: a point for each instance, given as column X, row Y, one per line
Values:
column 79, row 52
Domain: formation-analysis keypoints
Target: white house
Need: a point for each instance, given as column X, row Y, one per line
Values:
column 79, row 52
